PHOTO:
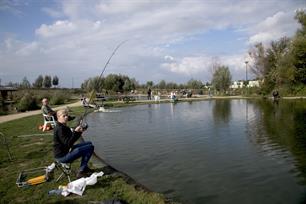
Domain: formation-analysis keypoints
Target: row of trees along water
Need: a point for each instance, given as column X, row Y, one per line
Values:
column 122, row 83
column 40, row 82
column 282, row 64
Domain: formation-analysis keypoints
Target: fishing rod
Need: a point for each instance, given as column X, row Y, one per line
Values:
column 82, row 121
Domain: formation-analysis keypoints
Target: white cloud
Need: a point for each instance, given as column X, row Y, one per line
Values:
column 157, row 32
column 168, row 57
column 201, row 66
column 189, row 65
column 28, row 49
column 120, row 7
column 274, row 27
column 57, row 29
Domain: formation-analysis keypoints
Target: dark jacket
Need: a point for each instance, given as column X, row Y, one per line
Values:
column 63, row 139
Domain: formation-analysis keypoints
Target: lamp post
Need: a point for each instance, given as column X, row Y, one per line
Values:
column 246, row 72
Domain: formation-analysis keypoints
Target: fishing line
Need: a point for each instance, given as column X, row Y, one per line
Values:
column 82, row 120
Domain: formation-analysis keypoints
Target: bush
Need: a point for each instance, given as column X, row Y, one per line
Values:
column 200, row 92
column 292, row 90
column 27, row 102
column 40, row 96
column 59, row 98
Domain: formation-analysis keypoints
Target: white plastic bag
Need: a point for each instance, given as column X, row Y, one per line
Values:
column 77, row 186
column 92, row 180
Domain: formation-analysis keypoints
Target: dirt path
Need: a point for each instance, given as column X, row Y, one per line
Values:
column 6, row 118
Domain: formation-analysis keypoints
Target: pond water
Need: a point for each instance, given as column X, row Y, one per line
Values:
column 214, row 151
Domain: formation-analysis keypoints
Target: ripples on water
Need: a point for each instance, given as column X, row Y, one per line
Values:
column 218, row 151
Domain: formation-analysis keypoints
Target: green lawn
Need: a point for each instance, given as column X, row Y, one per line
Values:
column 29, row 151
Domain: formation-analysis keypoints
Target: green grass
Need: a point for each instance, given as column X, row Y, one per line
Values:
column 30, row 152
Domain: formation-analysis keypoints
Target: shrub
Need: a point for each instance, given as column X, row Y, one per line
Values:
column 27, row 102
column 59, row 98
column 40, row 96
column 200, row 92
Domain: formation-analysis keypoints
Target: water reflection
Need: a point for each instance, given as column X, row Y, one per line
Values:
column 280, row 127
column 172, row 110
column 216, row 151
column 222, row 110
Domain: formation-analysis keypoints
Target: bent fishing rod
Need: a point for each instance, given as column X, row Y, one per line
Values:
column 82, row 120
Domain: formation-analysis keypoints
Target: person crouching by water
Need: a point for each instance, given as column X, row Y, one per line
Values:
column 65, row 151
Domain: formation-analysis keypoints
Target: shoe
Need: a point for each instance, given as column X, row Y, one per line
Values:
column 88, row 170
column 81, row 174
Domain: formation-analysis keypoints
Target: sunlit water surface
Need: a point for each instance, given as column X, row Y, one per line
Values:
column 215, row 151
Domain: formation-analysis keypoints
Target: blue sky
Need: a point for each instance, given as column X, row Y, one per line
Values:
column 22, row 18
column 166, row 40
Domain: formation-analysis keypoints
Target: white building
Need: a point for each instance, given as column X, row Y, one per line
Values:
column 236, row 84
column 240, row 84
column 254, row 83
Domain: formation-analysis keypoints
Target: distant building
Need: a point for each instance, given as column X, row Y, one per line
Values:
column 240, row 84
column 7, row 93
column 236, row 84
column 254, row 83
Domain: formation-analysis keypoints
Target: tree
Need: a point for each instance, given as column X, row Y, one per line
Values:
column 47, row 82
column 298, row 50
column 215, row 63
column 162, row 84
column 149, row 84
column 11, row 84
column 113, row 82
column 55, row 81
column 25, row 83
column 194, row 84
column 301, row 18
column 222, row 78
column 135, row 84
column 38, row 82
column 283, row 62
column 128, row 85
column 258, row 54
column 93, row 84
column 273, row 64
column 171, row 85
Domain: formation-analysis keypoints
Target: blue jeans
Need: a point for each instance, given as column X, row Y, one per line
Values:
column 84, row 150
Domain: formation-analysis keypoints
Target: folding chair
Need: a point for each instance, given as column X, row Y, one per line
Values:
column 48, row 120
column 65, row 169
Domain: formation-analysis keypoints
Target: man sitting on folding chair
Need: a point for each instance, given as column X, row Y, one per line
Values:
column 64, row 149
column 48, row 111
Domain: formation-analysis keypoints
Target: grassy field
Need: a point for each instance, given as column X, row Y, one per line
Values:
column 30, row 150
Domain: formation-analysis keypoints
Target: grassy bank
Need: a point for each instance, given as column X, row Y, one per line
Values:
column 30, row 150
